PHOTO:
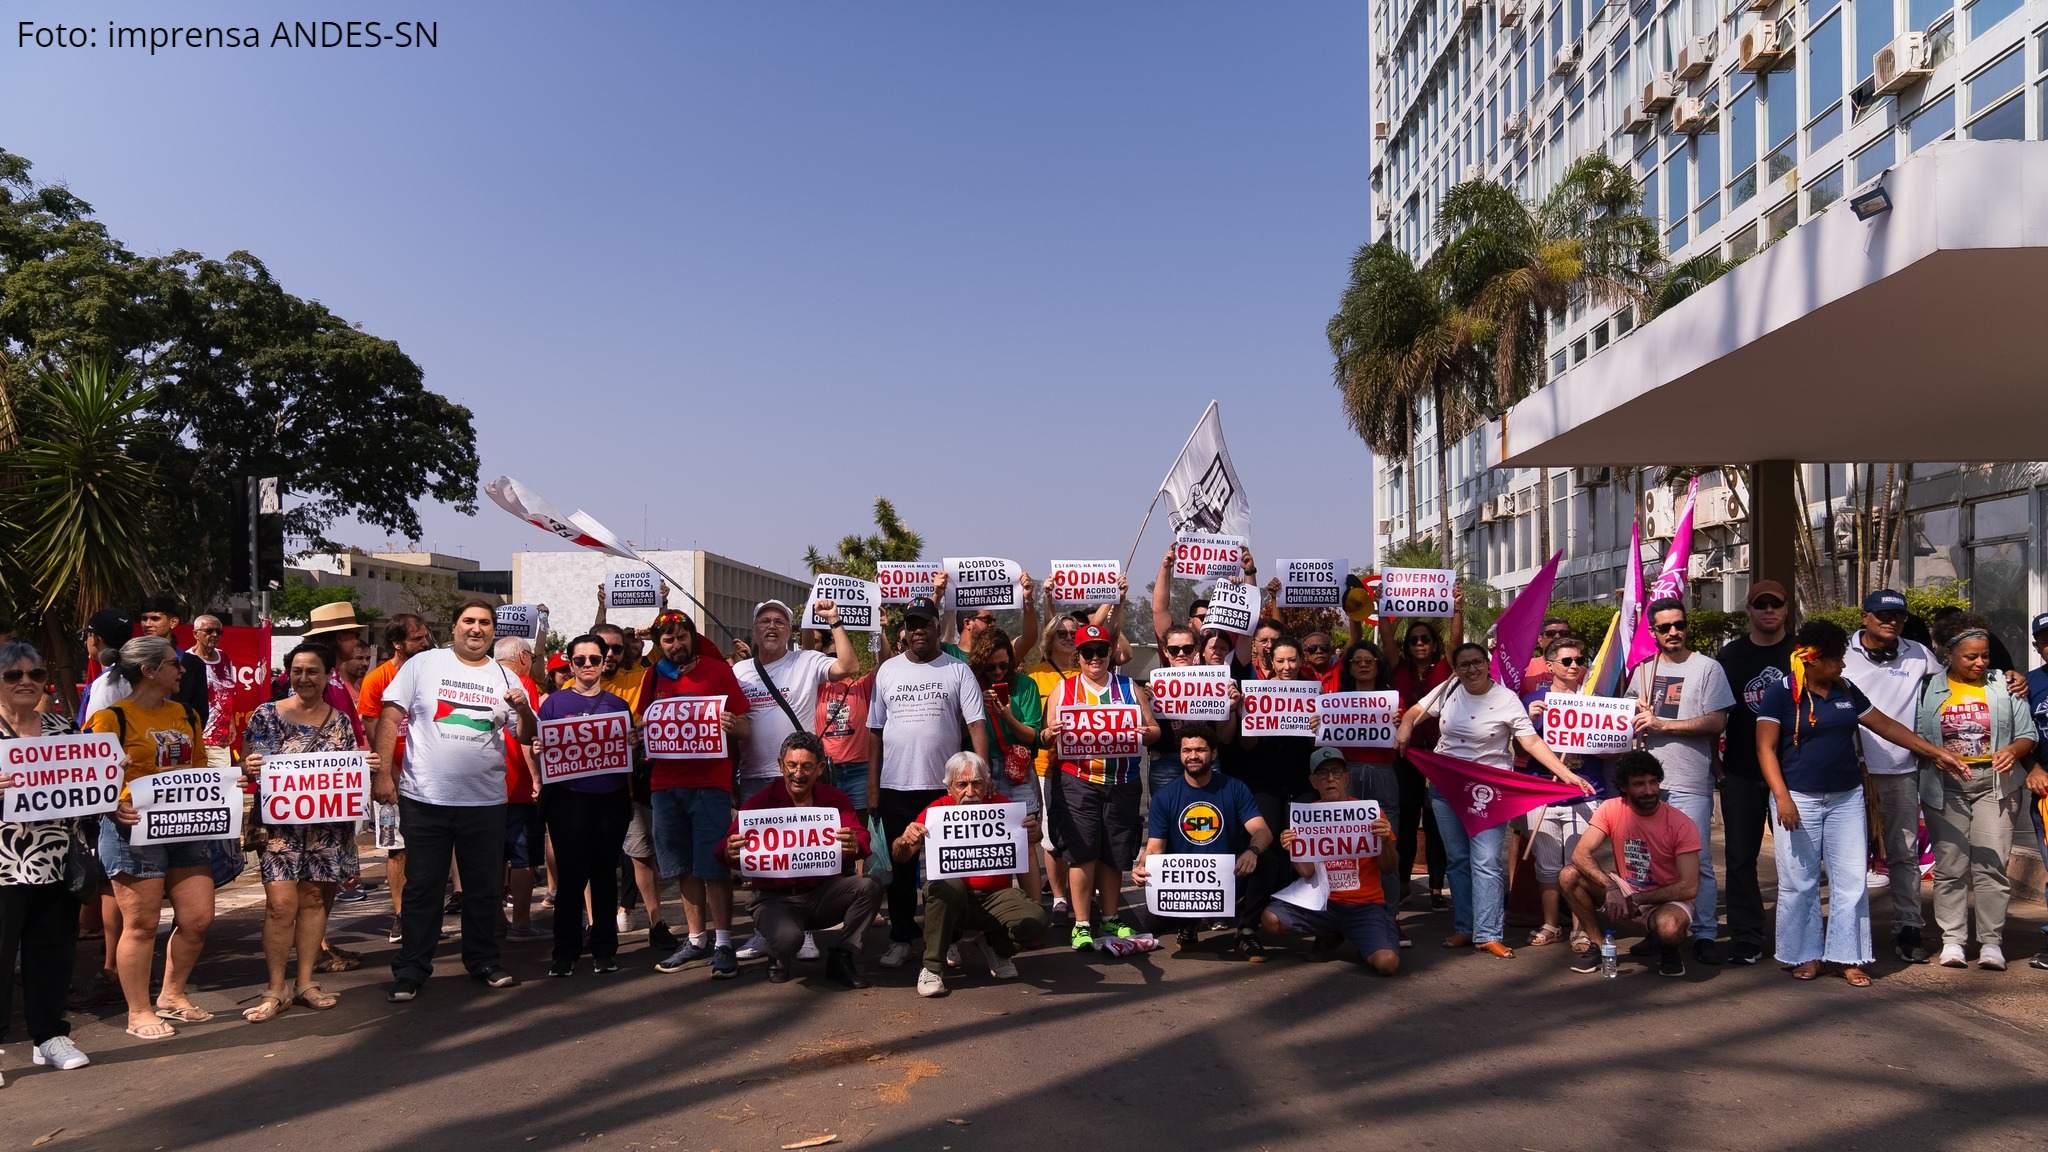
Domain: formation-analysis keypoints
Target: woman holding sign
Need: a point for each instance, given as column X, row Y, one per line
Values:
column 38, row 917
column 158, row 734
column 1419, row 669
column 302, row 864
column 587, row 816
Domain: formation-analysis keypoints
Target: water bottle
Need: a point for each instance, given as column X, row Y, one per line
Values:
column 1609, row 966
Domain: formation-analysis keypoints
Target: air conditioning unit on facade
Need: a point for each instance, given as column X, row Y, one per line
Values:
column 1386, row 528
column 1567, row 58
column 1634, row 119
column 1510, row 13
column 1717, row 507
column 1515, row 124
column 1473, row 9
column 1691, row 115
column 1659, row 93
column 1379, row 129
column 1695, row 58
column 1383, row 211
column 1762, row 47
column 1660, row 514
column 1591, row 476
column 1902, row 63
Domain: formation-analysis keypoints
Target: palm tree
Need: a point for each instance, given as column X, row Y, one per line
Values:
column 857, row 555
column 1671, row 283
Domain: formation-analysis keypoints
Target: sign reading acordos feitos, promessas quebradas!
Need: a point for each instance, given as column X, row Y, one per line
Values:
column 1191, row 884
column 1233, row 607
column 977, row 582
column 859, row 603
column 787, row 843
column 59, row 777
column 1312, row 583
column 636, row 588
column 976, row 840
column 185, row 805
column 599, row 744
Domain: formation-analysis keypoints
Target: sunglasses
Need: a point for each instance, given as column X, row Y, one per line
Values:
column 982, row 618
column 1570, row 661
column 1317, row 649
column 586, row 661
column 1672, row 626
column 615, row 649
column 1767, row 603
column 1472, row 665
column 14, row 675
column 1180, row 649
column 1097, row 652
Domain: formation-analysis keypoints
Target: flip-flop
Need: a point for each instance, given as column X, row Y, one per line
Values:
column 267, row 1007
column 315, row 997
column 166, row 1034
column 1806, row 971
column 1856, row 977
column 190, row 1014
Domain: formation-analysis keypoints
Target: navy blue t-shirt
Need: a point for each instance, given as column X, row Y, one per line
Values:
column 1206, row 819
column 1823, row 758
column 2037, row 696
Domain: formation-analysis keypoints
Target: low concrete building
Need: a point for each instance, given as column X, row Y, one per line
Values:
column 427, row 583
column 567, row 582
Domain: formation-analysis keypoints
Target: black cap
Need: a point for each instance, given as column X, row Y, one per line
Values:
column 2040, row 625
column 113, row 625
column 1884, row 600
column 923, row 606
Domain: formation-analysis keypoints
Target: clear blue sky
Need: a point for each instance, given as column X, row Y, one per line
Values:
column 749, row 265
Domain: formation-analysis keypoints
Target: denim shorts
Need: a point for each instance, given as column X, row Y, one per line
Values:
column 689, row 828
column 147, row 861
column 522, row 835
column 1368, row 927
column 852, row 779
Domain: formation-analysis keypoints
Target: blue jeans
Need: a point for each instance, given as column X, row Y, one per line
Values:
column 1699, row 808
column 1473, row 865
column 1159, row 772
column 689, row 829
column 852, row 779
column 1831, row 835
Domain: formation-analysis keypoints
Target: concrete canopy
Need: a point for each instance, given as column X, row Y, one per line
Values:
column 1920, row 335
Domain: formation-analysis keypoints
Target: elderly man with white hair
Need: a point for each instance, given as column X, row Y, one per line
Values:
column 524, row 834
column 992, row 905
column 220, row 690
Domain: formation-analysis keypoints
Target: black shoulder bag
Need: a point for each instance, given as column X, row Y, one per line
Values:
column 761, row 670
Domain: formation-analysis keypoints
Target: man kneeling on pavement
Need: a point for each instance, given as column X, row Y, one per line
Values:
column 1204, row 811
column 993, row 905
column 1657, row 866
column 787, row 908
column 1354, row 906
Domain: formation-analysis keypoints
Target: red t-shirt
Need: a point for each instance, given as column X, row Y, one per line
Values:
column 776, row 795
column 518, row 776
column 975, row 883
column 842, row 719
column 1355, row 881
column 1412, row 690
column 708, row 675
column 1646, row 849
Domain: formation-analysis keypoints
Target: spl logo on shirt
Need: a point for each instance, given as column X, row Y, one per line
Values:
column 1201, row 822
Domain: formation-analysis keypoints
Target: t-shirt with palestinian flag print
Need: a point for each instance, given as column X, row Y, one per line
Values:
column 456, row 717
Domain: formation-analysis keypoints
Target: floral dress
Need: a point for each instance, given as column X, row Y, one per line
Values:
column 320, row 853
column 33, row 853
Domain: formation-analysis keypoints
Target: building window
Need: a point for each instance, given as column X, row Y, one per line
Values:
column 1873, row 32
column 1742, row 147
column 1578, row 350
column 1874, row 159
column 1822, row 56
column 2008, row 121
column 1985, row 13
column 1922, row 15
column 1706, row 149
column 1743, row 244
column 1780, row 220
column 1624, row 322
column 1600, row 337
column 1934, row 121
column 1824, row 191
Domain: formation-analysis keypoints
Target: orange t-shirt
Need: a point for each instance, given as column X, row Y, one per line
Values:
column 1355, row 881
column 370, row 705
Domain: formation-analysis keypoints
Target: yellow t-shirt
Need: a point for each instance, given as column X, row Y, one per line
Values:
column 158, row 739
column 627, row 685
column 1966, row 723
column 1048, row 680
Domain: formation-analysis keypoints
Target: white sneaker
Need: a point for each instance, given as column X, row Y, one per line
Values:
column 1990, row 957
column 1061, row 906
column 1876, row 878
column 810, row 949
column 59, row 1052
column 896, row 956
column 624, row 920
column 1002, row 967
column 929, row 983
column 1952, row 957
column 755, row 948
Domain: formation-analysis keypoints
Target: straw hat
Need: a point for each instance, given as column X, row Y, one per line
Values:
column 337, row 617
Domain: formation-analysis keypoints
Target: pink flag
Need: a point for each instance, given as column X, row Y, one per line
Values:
column 1514, row 634
column 1485, row 797
column 1671, row 579
column 1628, row 623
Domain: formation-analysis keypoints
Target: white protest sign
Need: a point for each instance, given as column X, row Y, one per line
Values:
column 1279, row 707
column 639, row 588
column 1357, row 719
column 684, row 728
column 859, row 603
column 314, row 788
column 1588, row 725
column 1083, row 582
column 1333, row 831
column 1196, row 692
column 902, row 579
column 976, row 840
column 1233, row 608
column 1095, row 731
column 524, row 621
column 58, row 777
column 977, row 582
column 600, row 744
column 1424, row 592
column 785, row 843
column 183, row 805
column 1201, row 556
column 1312, row 583
column 1191, row 884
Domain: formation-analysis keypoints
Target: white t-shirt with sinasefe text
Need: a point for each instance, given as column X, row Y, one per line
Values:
column 456, row 718
column 1482, row 728
column 922, row 711
column 797, row 676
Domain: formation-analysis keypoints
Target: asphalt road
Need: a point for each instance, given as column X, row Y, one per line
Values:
column 1458, row 1051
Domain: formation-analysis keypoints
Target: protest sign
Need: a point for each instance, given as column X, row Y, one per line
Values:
column 599, row 744
column 684, row 728
column 1588, row 725
column 784, row 843
column 1191, row 884
column 58, row 777
column 315, row 788
column 976, row 840
column 524, row 621
column 636, row 589
column 1279, row 707
column 1083, row 582
column 1334, row 831
column 1357, row 719
column 1093, row 731
column 902, row 579
column 1312, row 583
column 977, row 582
column 1196, row 692
column 859, row 603
column 1201, row 556
column 1233, row 608
column 183, row 805
column 1425, row 592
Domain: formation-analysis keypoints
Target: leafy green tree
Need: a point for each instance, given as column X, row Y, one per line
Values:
column 294, row 603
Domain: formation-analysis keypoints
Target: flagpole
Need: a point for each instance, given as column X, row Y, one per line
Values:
column 1140, row 538
column 1199, row 421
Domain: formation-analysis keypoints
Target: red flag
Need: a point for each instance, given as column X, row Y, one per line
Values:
column 1485, row 797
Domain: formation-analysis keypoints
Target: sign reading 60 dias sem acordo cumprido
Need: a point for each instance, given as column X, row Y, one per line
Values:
column 788, row 843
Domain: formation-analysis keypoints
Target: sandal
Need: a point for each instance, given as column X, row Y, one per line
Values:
column 1856, row 977
column 1547, row 935
column 1806, row 971
column 152, row 1030
column 189, row 1014
column 335, row 960
column 1458, row 940
column 1581, row 942
column 315, row 997
column 268, row 1007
